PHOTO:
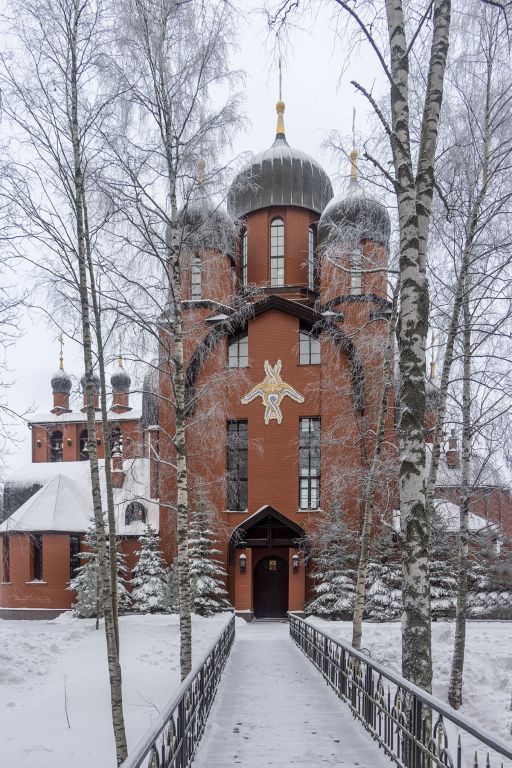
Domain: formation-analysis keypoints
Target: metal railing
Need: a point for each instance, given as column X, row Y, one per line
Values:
column 172, row 740
column 410, row 725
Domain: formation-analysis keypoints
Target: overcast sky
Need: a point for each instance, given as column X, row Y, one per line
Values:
column 317, row 101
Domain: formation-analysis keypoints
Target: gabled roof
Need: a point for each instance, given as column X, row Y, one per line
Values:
column 60, row 505
column 264, row 512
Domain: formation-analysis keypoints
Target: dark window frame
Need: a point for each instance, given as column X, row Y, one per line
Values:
column 6, row 559
column 83, row 445
column 236, row 360
column 244, row 263
column 309, row 347
column 37, row 557
column 310, row 458
column 237, row 465
column 74, row 555
column 277, row 252
column 311, row 256
column 196, row 277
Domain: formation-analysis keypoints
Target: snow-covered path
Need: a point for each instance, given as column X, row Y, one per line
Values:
column 273, row 709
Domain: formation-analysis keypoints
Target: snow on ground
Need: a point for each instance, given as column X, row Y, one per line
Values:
column 487, row 688
column 43, row 664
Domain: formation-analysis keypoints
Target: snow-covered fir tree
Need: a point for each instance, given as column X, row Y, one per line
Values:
column 207, row 574
column 442, row 568
column 335, row 558
column 150, row 588
column 384, row 591
column 490, row 577
column 86, row 582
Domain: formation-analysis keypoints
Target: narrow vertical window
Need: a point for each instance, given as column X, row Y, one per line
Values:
column 195, row 278
column 237, row 466
column 311, row 258
column 6, row 576
column 37, row 557
column 238, row 351
column 309, row 347
column 74, row 555
column 56, row 446
column 356, row 286
column 277, row 252
column 309, row 463
column 244, row 259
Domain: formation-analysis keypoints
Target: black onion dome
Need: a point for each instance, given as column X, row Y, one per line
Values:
column 207, row 226
column 61, row 382
column 120, row 380
column 354, row 216
column 280, row 175
column 96, row 383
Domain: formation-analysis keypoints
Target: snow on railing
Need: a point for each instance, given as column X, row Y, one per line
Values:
column 410, row 725
column 172, row 740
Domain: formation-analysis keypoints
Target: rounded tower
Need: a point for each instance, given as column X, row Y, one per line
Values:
column 278, row 198
column 61, row 388
column 121, row 383
column 96, row 379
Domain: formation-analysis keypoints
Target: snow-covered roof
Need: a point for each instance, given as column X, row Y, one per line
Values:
column 449, row 514
column 484, row 473
column 78, row 416
column 64, row 503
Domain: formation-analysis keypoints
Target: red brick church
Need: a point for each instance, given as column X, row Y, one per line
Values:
column 285, row 320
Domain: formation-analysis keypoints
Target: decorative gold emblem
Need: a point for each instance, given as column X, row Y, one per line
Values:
column 272, row 390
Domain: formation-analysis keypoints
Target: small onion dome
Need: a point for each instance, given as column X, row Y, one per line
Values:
column 120, row 379
column 280, row 175
column 206, row 226
column 96, row 383
column 61, row 382
column 354, row 216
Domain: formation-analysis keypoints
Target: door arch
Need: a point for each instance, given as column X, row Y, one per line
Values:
column 270, row 586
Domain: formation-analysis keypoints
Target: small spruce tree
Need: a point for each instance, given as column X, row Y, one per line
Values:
column 335, row 560
column 207, row 574
column 149, row 580
column 86, row 582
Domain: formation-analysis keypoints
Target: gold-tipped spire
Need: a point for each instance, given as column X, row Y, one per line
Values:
column 201, row 172
column 353, row 155
column 120, row 360
column 61, row 356
column 280, row 106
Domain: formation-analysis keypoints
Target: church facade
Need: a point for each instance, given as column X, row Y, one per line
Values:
column 285, row 317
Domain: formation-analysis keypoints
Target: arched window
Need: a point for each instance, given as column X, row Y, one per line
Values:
column 243, row 267
column 83, row 445
column 135, row 512
column 195, row 278
column 311, row 257
column 277, row 252
column 56, row 445
column 116, row 439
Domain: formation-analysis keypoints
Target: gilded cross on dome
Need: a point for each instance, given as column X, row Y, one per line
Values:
column 272, row 390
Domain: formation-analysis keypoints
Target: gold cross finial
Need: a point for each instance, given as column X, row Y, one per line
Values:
column 61, row 364
column 201, row 168
column 280, row 106
column 120, row 360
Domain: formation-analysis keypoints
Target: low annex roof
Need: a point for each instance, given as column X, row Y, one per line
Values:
column 73, row 417
column 64, row 503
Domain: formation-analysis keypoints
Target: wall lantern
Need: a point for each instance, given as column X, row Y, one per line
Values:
column 38, row 442
column 243, row 563
column 98, row 441
column 69, row 441
column 295, row 563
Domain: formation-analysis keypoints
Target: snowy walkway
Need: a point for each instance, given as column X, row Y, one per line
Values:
column 273, row 709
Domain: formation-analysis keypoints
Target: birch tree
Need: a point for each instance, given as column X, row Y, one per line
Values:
column 171, row 57
column 54, row 109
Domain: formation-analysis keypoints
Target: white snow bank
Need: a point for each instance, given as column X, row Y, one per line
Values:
column 43, row 664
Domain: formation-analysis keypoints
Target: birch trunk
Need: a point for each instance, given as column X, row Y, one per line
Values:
column 371, row 485
column 106, row 433
column 114, row 667
column 414, row 198
column 457, row 669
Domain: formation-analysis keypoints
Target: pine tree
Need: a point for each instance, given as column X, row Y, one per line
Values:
column 335, row 562
column 149, row 575
column 86, row 581
column 207, row 574
column 442, row 567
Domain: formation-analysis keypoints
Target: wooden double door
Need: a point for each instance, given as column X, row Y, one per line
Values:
column 270, row 584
